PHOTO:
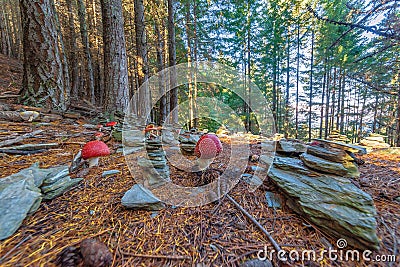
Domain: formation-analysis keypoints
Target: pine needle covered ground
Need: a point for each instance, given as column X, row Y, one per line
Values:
column 216, row 234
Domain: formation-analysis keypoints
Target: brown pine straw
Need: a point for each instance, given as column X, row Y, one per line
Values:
column 216, row 234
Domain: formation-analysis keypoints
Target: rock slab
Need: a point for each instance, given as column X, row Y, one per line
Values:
column 331, row 202
column 139, row 197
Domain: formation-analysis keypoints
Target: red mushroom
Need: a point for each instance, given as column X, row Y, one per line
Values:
column 98, row 135
column 207, row 148
column 111, row 124
column 93, row 150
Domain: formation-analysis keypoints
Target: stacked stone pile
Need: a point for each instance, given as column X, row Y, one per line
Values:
column 315, row 185
column 374, row 141
column 188, row 142
column 337, row 137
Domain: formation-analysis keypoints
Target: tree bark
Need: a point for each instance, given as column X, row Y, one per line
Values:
column 190, row 64
column 115, row 61
column 45, row 81
column 297, row 82
column 311, row 87
column 141, row 50
column 88, row 54
column 172, row 62
column 73, row 50
column 160, row 66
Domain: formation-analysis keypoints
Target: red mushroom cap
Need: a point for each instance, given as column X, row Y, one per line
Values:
column 208, row 146
column 99, row 126
column 149, row 128
column 111, row 123
column 95, row 148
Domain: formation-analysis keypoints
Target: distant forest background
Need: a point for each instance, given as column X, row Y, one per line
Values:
column 323, row 65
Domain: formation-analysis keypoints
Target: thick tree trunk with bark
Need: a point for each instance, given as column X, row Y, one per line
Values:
column 141, row 52
column 88, row 54
column 115, row 60
column 46, row 81
column 73, row 51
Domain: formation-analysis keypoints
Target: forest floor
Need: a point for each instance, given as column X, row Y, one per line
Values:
column 216, row 234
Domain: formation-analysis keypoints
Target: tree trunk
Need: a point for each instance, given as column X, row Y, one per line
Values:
column 195, row 48
column 73, row 50
column 398, row 120
column 328, row 92
column 45, row 81
column 115, row 62
column 141, row 52
column 172, row 62
column 188, row 21
column 297, row 82
column 3, row 33
column 160, row 66
column 311, row 87
column 7, row 49
column 88, row 54
column 360, row 128
column 342, row 98
column 324, row 85
column 375, row 113
column 287, row 95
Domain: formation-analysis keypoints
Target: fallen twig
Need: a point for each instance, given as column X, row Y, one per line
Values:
column 32, row 146
column 274, row 244
column 21, row 152
column 8, row 96
column 15, row 247
column 19, row 138
column 169, row 257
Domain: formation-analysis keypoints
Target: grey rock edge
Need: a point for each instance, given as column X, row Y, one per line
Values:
column 21, row 194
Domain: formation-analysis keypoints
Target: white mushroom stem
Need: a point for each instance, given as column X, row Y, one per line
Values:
column 204, row 163
column 93, row 161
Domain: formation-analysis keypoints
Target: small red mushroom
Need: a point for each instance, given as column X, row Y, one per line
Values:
column 93, row 150
column 111, row 124
column 207, row 148
column 98, row 135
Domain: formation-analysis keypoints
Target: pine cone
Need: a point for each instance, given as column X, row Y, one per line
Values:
column 69, row 257
column 95, row 253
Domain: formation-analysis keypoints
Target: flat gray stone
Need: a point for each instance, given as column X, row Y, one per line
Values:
column 290, row 147
column 323, row 165
column 331, row 154
column 139, row 197
column 110, row 172
column 16, row 201
column 60, row 187
column 346, row 147
column 33, row 173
